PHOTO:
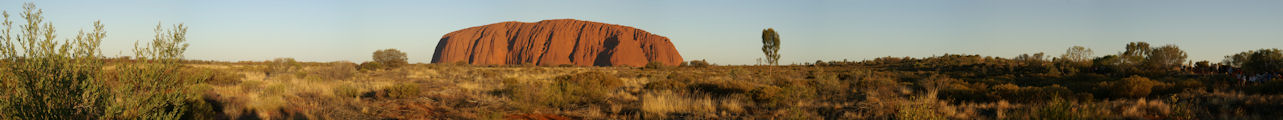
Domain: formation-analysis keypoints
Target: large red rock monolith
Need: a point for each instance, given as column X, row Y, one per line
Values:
column 555, row 42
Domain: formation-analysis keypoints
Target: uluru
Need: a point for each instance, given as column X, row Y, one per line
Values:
column 555, row 42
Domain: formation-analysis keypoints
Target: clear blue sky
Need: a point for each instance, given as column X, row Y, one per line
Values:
column 721, row 31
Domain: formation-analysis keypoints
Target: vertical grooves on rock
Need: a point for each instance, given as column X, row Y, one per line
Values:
column 547, row 43
column 578, row 38
column 473, row 54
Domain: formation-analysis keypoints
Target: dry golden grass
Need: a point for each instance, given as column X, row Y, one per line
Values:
column 666, row 102
column 743, row 92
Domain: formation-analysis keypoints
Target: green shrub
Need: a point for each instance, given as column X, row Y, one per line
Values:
column 390, row 58
column 588, row 84
column 781, row 97
column 52, row 79
column 369, row 65
column 336, row 71
column 561, row 65
column 722, row 88
column 654, row 65
column 251, row 86
column 347, row 91
column 698, row 63
column 1134, row 86
column 274, row 89
column 223, row 77
column 280, row 66
column 1060, row 109
column 159, row 89
column 769, row 95
column 921, row 108
column 402, row 91
column 665, row 84
column 565, row 91
column 44, row 79
column 1032, row 94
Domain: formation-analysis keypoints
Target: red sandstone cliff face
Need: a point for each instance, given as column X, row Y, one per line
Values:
column 555, row 42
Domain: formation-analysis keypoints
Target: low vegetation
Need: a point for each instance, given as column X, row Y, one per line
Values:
column 44, row 78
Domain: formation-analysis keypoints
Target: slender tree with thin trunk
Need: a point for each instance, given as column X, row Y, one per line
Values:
column 771, row 46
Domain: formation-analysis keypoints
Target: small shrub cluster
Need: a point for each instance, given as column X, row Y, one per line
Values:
column 347, row 91
column 654, row 65
column 335, row 71
column 370, row 65
column 389, row 58
column 50, row 79
column 1061, row 109
column 589, row 86
column 47, row 80
column 402, row 91
column 565, row 91
column 280, row 66
column 697, row 63
column 1134, row 86
column 223, row 77
column 920, row 108
column 1031, row 94
column 781, row 97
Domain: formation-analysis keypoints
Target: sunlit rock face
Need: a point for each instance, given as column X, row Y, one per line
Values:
column 555, row 42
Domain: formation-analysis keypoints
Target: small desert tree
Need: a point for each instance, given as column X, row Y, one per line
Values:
column 280, row 66
column 390, row 58
column 1078, row 54
column 1166, row 57
column 1257, row 61
column 771, row 46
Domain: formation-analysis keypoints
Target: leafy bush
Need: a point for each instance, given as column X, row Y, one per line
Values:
column 223, row 77
column 665, row 84
column 1031, row 94
column 920, row 108
column 402, row 91
column 280, row 66
column 1134, row 86
column 336, row 71
column 721, row 88
column 781, row 97
column 565, row 91
column 588, row 84
column 698, row 63
column 370, row 65
column 346, row 91
column 47, row 80
column 390, row 58
column 1257, row 61
column 654, row 65
column 1060, row 109
column 160, row 89
column 769, row 95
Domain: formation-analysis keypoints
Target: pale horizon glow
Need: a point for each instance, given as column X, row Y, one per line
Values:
column 721, row 31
